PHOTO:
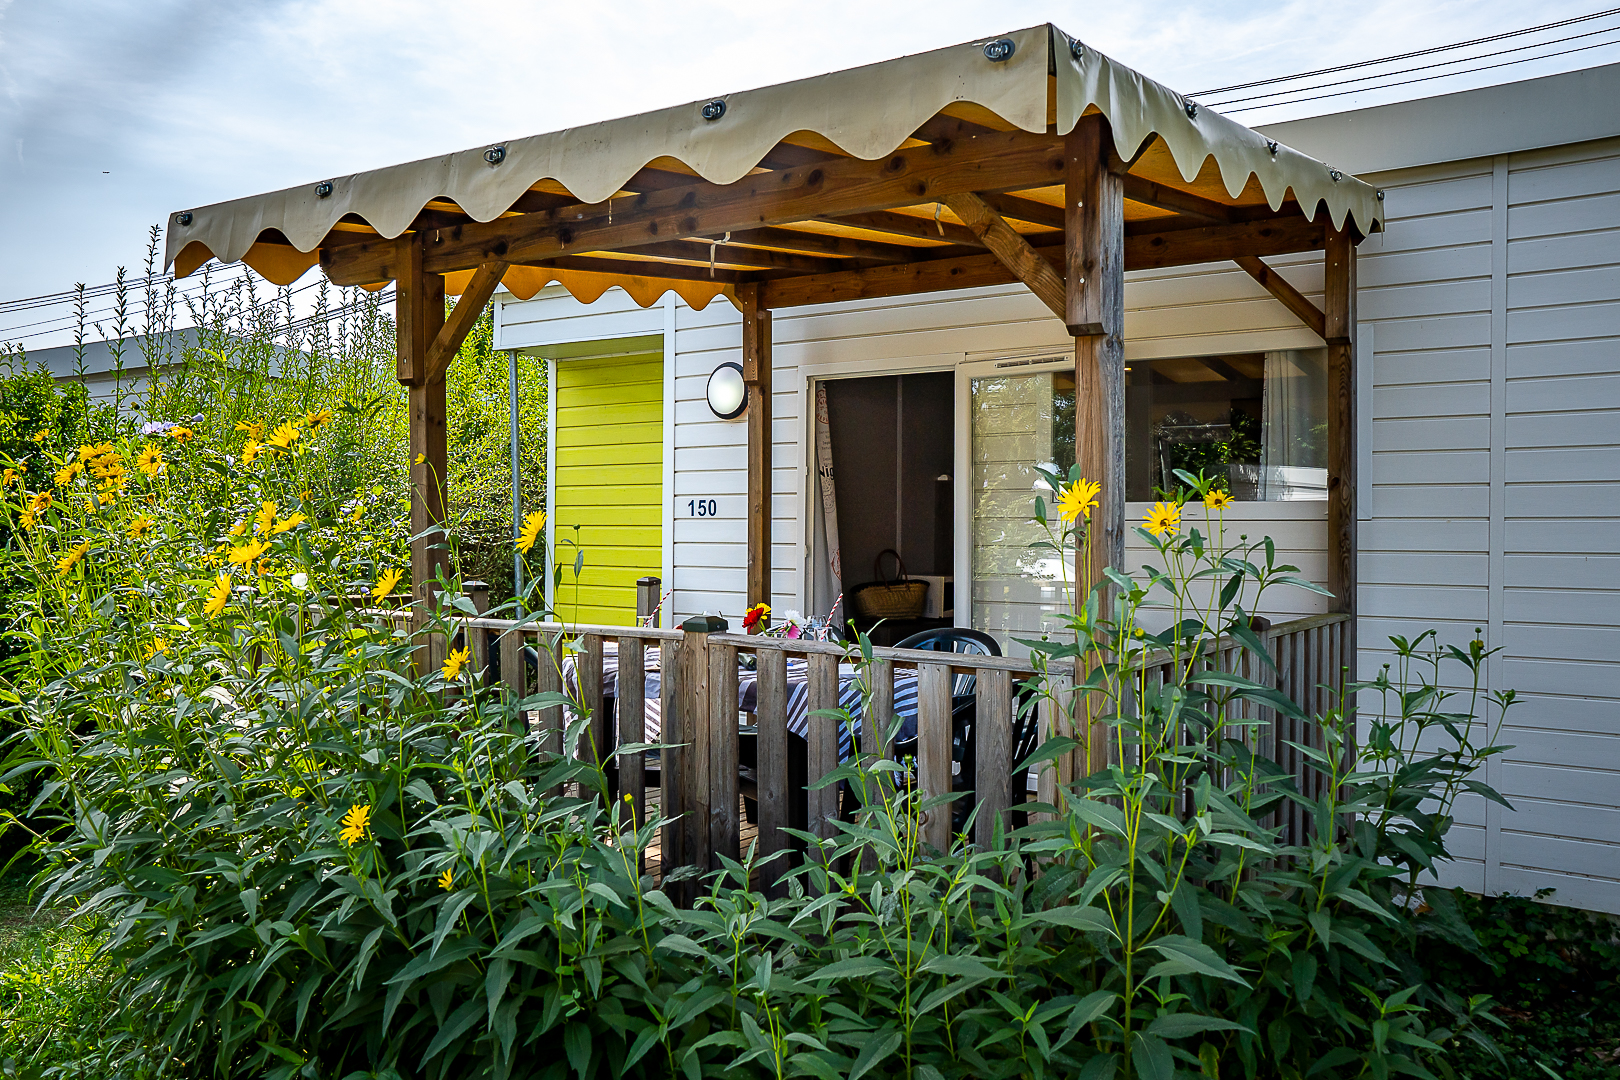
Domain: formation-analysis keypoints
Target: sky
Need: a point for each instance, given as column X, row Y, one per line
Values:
column 115, row 113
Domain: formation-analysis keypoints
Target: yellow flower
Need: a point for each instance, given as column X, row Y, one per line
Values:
column 66, row 474
column 40, row 502
column 1163, row 520
column 287, row 523
column 283, row 437
column 218, row 596
column 255, row 430
column 533, row 526
column 29, row 519
column 41, row 435
column 138, row 528
column 239, row 529
column 359, row 512
column 355, row 823
column 150, row 460
column 454, row 663
column 447, row 880
column 71, row 557
column 306, row 494
column 420, row 458
column 180, row 434
column 317, row 418
column 1217, row 500
column 386, row 583
column 8, row 477
column 158, row 646
column 250, row 452
column 1077, row 500
column 245, row 555
column 265, row 519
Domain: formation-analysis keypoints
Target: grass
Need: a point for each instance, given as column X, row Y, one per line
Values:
column 54, row 990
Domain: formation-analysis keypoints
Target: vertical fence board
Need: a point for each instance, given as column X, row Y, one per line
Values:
column 771, row 767
column 594, row 744
column 934, row 747
column 632, row 713
column 1052, row 724
column 875, row 729
column 723, row 824
column 547, row 680
column 695, row 762
column 992, row 780
column 823, row 742
column 671, row 760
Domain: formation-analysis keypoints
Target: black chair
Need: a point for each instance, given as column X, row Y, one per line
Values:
column 964, row 745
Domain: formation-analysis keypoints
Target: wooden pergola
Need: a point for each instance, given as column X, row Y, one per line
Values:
column 1026, row 158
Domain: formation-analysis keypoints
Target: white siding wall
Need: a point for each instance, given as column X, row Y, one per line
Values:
column 1493, row 300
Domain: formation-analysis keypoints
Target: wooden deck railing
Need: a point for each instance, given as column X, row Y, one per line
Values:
column 699, row 704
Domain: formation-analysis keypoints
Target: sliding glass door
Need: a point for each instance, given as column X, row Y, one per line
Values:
column 1019, row 415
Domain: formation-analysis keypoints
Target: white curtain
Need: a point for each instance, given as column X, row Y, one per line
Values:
column 1293, row 412
column 829, row 504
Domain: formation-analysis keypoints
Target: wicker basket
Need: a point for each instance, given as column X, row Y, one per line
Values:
column 889, row 598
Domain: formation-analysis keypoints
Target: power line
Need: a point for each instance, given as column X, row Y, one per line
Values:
column 1423, row 67
column 1424, row 78
column 1411, row 55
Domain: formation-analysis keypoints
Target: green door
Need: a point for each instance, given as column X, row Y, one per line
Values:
column 608, row 461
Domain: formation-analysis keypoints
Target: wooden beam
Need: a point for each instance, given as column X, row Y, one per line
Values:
column 485, row 280
column 815, row 243
column 756, row 351
column 1094, row 312
column 1012, row 250
column 1149, row 193
column 918, row 228
column 1181, row 247
column 1036, row 213
column 1290, row 297
column 1339, row 324
column 986, row 163
column 649, row 269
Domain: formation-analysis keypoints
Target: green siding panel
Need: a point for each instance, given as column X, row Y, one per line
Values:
column 608, row 468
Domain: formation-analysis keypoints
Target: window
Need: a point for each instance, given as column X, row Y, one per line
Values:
column 1256, row 422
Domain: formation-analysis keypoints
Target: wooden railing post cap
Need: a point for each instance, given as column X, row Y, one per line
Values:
column 705, row 624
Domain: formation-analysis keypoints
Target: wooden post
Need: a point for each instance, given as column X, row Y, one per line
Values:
column 1339, row 311
column 1339, row 319
column 419, row 315
column 756, row 350
column 1094, row 286
column 697, row 727
column 724, row 826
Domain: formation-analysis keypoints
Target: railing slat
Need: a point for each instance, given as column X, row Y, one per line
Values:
column 823, row 742
column 875, row 728
column 671, row 724
column 696, row 729
column 1052, row 724
column 992, row 722
column 934, row 747
column 771, row 767
column 723, row 824
column 632, row 710
column 595, row 739
column 548, row 679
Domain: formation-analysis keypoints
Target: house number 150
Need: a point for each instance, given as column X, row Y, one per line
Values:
column 702, row 507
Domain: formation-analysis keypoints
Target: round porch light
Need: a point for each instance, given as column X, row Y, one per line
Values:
column 728, row 396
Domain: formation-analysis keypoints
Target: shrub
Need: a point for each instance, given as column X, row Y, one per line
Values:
column 317, row 859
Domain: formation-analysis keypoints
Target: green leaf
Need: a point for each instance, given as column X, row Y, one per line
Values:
column 1151, row 1057
column 1101, row 1067
column 1183, row 955
column 967, row 967
column 874, row 1052
column 577, row 1044
column 854, row 968
column 460, row 1020
column 1078, row 918
column 1181, row 1025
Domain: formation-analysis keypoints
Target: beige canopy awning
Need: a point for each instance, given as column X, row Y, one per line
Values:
column 545, row 206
